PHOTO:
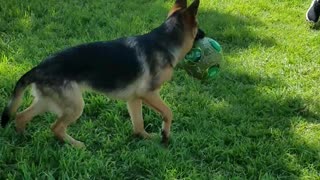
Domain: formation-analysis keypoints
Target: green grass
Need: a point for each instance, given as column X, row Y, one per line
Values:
column 259, row 119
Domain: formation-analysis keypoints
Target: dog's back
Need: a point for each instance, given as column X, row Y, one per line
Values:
column 104, row 66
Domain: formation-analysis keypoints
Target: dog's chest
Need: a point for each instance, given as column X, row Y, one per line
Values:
column 162, row 76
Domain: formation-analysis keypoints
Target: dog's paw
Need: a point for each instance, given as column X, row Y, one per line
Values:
column 165, row 139
column 20, row 129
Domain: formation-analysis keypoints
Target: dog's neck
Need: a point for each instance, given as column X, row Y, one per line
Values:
column 171, row 36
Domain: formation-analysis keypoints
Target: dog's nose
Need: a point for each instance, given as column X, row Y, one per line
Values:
column 201, row 34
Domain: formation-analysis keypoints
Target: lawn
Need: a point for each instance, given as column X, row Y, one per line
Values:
column 258, row 119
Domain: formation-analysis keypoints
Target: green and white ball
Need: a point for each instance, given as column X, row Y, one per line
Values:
column 204, row 59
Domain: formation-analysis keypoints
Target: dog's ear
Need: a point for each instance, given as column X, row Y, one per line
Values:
column 193, row 8
column 179, row 4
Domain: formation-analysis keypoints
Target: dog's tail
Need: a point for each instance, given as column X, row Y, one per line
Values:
column 16, row 97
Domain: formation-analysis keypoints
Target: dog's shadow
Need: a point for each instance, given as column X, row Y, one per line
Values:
column 315, row 26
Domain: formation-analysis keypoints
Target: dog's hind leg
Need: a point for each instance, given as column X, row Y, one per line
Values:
column 25, row 116
column 37, row 107
column 68, row 104
column 59, row 129
column 135, row 111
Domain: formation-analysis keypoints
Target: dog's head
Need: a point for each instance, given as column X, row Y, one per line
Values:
column 186, row 19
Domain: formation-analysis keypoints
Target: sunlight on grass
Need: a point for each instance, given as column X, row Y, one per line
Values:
column 9, row 70
column 25, row 22
column 307, row 134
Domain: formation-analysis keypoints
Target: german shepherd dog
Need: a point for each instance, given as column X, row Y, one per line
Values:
column 131, row 69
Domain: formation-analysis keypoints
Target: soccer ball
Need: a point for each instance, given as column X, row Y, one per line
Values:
column 204, row 59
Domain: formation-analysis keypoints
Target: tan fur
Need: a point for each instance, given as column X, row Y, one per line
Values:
column 25, row 116
column 137, row 88
column 173, row 10
column 135, row 111
column 68, row 106
column 189, row 37
column 154, row 100
column 164, row 75
column 16, row 102
column 190, row 32
column 179, row 4
column 71, row 107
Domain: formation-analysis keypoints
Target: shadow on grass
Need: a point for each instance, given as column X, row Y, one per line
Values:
column 256, row 129
column 233, row 32
column 315, row 26
column 255, row 133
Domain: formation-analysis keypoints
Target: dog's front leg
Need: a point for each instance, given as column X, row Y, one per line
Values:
column 154, row 100
column 135, row 111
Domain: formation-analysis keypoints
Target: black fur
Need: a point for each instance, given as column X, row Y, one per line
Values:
column 165, row 139
column 22, row 83
column 103, row 65
column 112, row 65
column 200, row 35
column 5, row 117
